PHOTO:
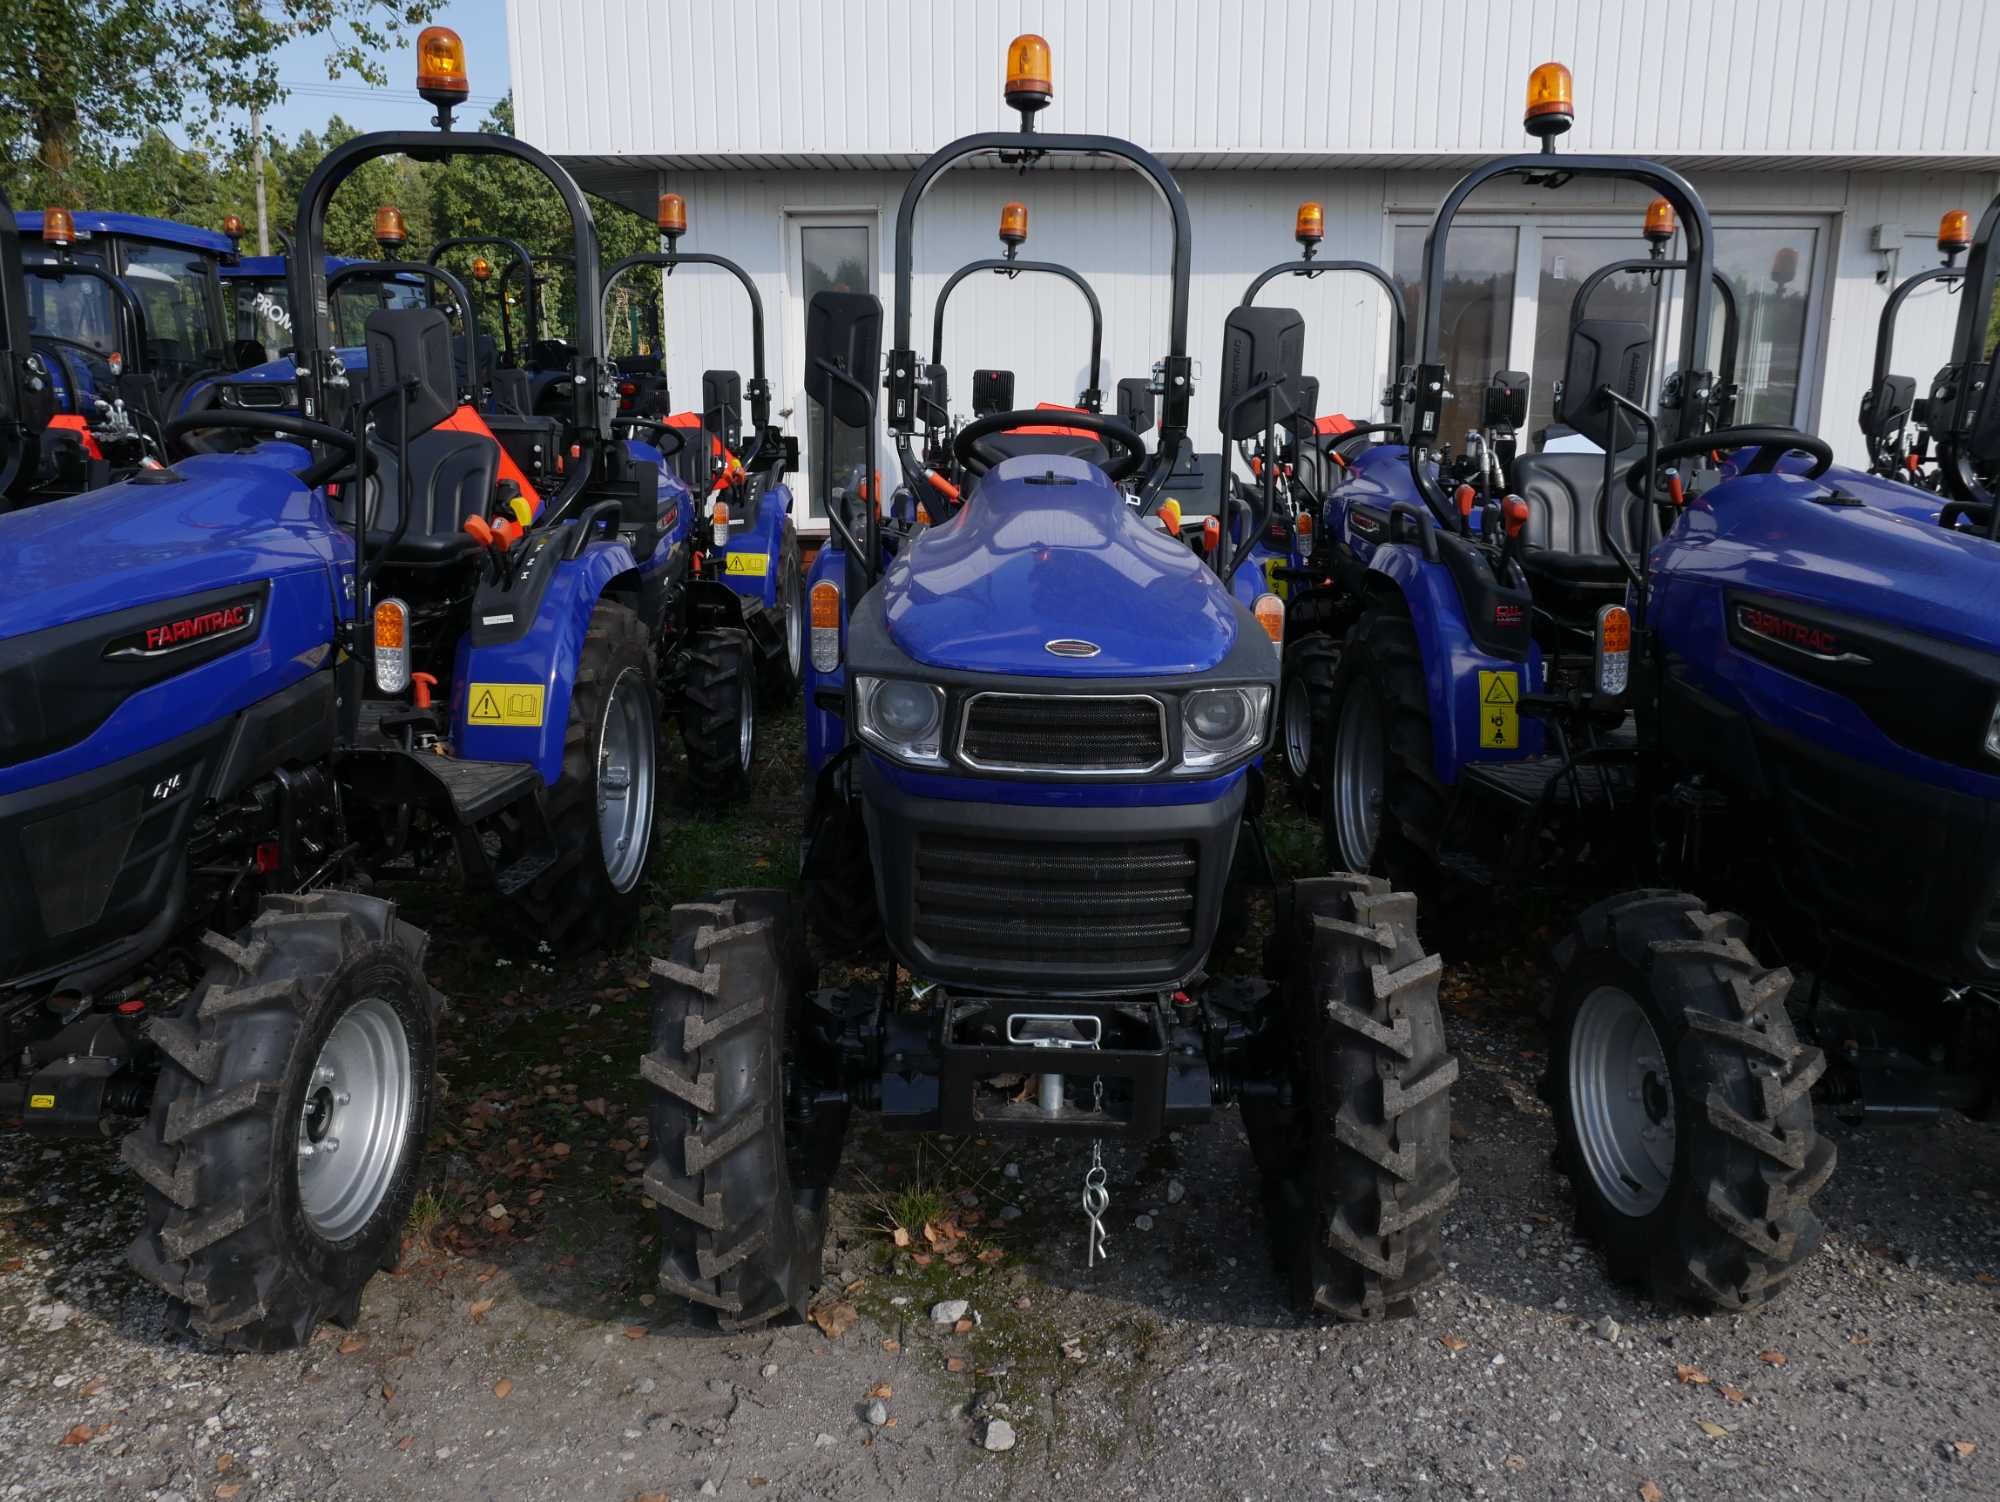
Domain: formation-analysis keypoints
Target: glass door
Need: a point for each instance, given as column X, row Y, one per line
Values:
column 826, row 251
column 1481, row 277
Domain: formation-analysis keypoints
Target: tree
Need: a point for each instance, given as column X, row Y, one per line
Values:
column 77, row 76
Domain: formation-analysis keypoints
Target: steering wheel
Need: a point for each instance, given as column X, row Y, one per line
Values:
column 658, row 430
column 977, row 456
column 1771, row 444
column 277, row 424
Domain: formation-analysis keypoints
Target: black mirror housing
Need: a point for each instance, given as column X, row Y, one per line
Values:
column 1258, row 345
column 722, row 406
column 844, row 331
column 1603, row 352
column 1135, row 403
column 992, row 391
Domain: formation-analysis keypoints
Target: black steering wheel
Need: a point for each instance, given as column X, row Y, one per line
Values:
column 276, row 424
column 658, row 430
column 977, row 456
column 1771, row 444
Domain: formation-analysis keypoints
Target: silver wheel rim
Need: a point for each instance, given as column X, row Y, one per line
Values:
column 625, row 751
column 1622, row 1099
column 795, row 630
column 746, row 725
column 1298, row 728
column 356, row 1119
column 1358, row 759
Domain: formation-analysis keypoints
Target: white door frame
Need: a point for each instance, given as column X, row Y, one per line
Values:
column 793, row 218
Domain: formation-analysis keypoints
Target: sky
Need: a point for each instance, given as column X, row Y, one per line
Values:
column 313, row 98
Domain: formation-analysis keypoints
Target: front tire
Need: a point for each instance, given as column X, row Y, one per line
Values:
column 719, row 719
column 601, row 808
column 1305, row 714
column 281, row 1154
column 1355, row 1142
column 1683, row 1103
column 1384, row 803
column 742, row 1233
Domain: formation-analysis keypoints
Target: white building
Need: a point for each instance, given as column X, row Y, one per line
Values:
column 1818, row 131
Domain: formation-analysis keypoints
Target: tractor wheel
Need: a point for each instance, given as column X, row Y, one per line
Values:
column 1355, row 1145
column 1305, row 714
column 841, row 911
column 740, row 1237
column 281, row 1154
column 781, row 675
column 719, row 719
column 1682, row 1100
column 1384, row 803
column 601, row 808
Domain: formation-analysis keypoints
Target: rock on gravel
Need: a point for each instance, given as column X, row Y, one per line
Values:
column 948, row 1311
column 1609, row 1329
column 877, row 1413
column 999, row 1435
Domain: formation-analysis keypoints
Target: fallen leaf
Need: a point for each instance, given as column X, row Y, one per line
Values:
column 83, row 1434
column 1453, row 1343
column 1690, row 1374
column 595, row 1107
column 835, row 1317
column 227, row 1490
column 224, row 1463
column 1772, row 1358
column 954, row 1364
column 12, row 1265
column 963, row 1327
column 621, row 1144
column 1985, row 1280
column 91, row 1388
column 635, row 1332
column 504, row 1386
column 856, row 1286
column 1734, row 1394
column 1860, row 1340
column 497, row 1211
column 352, row 1344
column 1713, row 1431
column 482, row 1308
column 1649, row 1492
column 1516, row 1462
column 1965, row 1447
column 992, row 1255
column 490, row 1274
column 560, row 1150
column 901, row 1237
column 892, row 1345
column 881, row 1390
column 406, row 1441
column 922, row 1259
column 388, row 1393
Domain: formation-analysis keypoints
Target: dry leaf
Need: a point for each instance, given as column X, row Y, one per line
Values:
column 224, row 1463
column 1734, row 1394
column 856, row 1286
column 12, row 1265
column 1985, row 1280
column 901, row 1237
column 1516, row 1462
column 892, row 1345
column 497, row 1211
column 954, row 1364
column 922, row 1259
column 1965, row 1447
column 83, row 1434
column 1713, row 1431
column 1650, row 1492
column 227, row 1490
column 490, row 1274
column 91, row 1388
column 835, row 1317
column 1860, row 1340
column 1453, row 1343
column 992, row 1255
column 635, row 1332
column 504, row 1386
column 352, row 1344
column 406, row 1441
column 560, row 1150
column 1771, row 1358
column 1690, row 1374
column 963, row 1327
column 881, row 1390
column 482, row 1308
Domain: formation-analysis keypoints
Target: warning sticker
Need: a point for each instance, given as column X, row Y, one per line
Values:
column 504, row 704
column 41, row 1103
column 754, row 564
column 1499, row 711
column 1275, row 581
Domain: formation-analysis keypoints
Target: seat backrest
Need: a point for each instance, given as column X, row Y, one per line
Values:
column 451, row 478
column 1561, row 490
column 512, row 393
column 410, row 347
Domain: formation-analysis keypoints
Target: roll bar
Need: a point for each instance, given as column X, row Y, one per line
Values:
column 760, row 386
column 1093, row 396
column 1968, row 348
column 521, row 258
column 1306, row 267
column 129, row 307
column 14, row 347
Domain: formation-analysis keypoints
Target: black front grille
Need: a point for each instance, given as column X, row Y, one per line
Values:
column 1054, row 734
column 979, row 898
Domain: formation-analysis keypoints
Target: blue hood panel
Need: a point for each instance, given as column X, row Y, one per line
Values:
column 236, row 518
column 1027, row 562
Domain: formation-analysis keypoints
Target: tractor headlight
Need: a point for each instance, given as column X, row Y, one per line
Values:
column 1993, row 733
column 1218, row 725
column 904, row 719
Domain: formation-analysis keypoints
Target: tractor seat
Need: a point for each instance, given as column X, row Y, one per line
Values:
column 1563, row 546
column 451, row 473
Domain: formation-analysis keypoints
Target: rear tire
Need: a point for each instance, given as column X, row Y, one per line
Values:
column 719, row 719
column 1384, row 803
column 314, row 1029
column 1355, row 1147
column 601, row 808
column 1305, row 714
column 781, row 674
column 1683, row 1103
column 740, row 1238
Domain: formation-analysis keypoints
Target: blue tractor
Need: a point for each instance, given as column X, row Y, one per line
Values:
column 238, row 689
column 1034, row 738
column 1691, row 657
column 1895, row 422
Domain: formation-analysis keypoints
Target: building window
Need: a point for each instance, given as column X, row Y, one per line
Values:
column 833, row 253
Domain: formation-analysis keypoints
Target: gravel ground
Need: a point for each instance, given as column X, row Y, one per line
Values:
column 520, row 1353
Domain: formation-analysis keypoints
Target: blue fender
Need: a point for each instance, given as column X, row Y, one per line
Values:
column 826, row 730
column 510, row 700
column 754, row 552
column 1459, row 678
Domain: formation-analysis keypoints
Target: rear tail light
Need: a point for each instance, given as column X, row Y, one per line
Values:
column 825, row 626
column 1614, row 650
column 1270, row 613
column 722, row 524
column 1305, row 528
column 392, row 646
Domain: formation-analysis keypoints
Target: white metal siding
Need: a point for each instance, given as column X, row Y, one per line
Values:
column 1251, row 79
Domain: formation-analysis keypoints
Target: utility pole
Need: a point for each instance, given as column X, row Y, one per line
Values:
column 257, row 169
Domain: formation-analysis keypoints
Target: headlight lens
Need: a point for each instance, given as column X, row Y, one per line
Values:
column 903, row 718
column 1219, row 725
column 1993, row 733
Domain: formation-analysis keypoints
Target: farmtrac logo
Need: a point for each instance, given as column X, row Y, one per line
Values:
column 181, row 632
column 1800, row 636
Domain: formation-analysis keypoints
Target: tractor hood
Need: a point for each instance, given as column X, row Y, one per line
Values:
column 207, row 523
column 1046, row 549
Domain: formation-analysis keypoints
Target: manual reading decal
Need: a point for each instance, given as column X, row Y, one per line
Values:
column 1499, row 711
column 504, row 704
column 756, row 565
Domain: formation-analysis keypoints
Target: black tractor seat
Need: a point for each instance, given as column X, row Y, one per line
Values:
column 1564, row 551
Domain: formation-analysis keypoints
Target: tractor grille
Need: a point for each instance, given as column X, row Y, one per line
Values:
column 1028, row 733
column 983, row 899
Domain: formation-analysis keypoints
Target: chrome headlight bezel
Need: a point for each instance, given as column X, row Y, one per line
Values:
column 923, row 748
column 1202, row 754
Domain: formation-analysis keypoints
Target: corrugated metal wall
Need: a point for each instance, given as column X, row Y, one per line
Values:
column 675, row 78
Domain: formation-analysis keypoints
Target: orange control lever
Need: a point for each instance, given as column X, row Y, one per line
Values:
column 506, row 532
column 1466, row 496
column 1676, row 492
column 941, row 485
column 421, row 685
column 1514, row 515
column 479, row 530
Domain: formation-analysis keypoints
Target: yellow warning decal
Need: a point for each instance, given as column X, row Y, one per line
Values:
column 504, row 704
column 41, row 1103
column 754, row 564
column 1274, row 581
column 1499, row 710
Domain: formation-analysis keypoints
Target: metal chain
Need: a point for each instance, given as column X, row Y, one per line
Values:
column 1096, row 1198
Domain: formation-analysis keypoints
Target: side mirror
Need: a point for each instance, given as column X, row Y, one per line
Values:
column 992, row 391
column 1506, row 403
column 844, row 331
column 1604, row 352
column 722, row 406
column 1260, row 345
column 1886, row 408
column 934, row 397
column 1135, row 403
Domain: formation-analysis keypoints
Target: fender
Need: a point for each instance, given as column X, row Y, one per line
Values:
column 826, row 729
column 1453, row 665
column 754, row 552
column 540, row 666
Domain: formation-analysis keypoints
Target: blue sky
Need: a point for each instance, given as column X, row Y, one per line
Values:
column 302, row 68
